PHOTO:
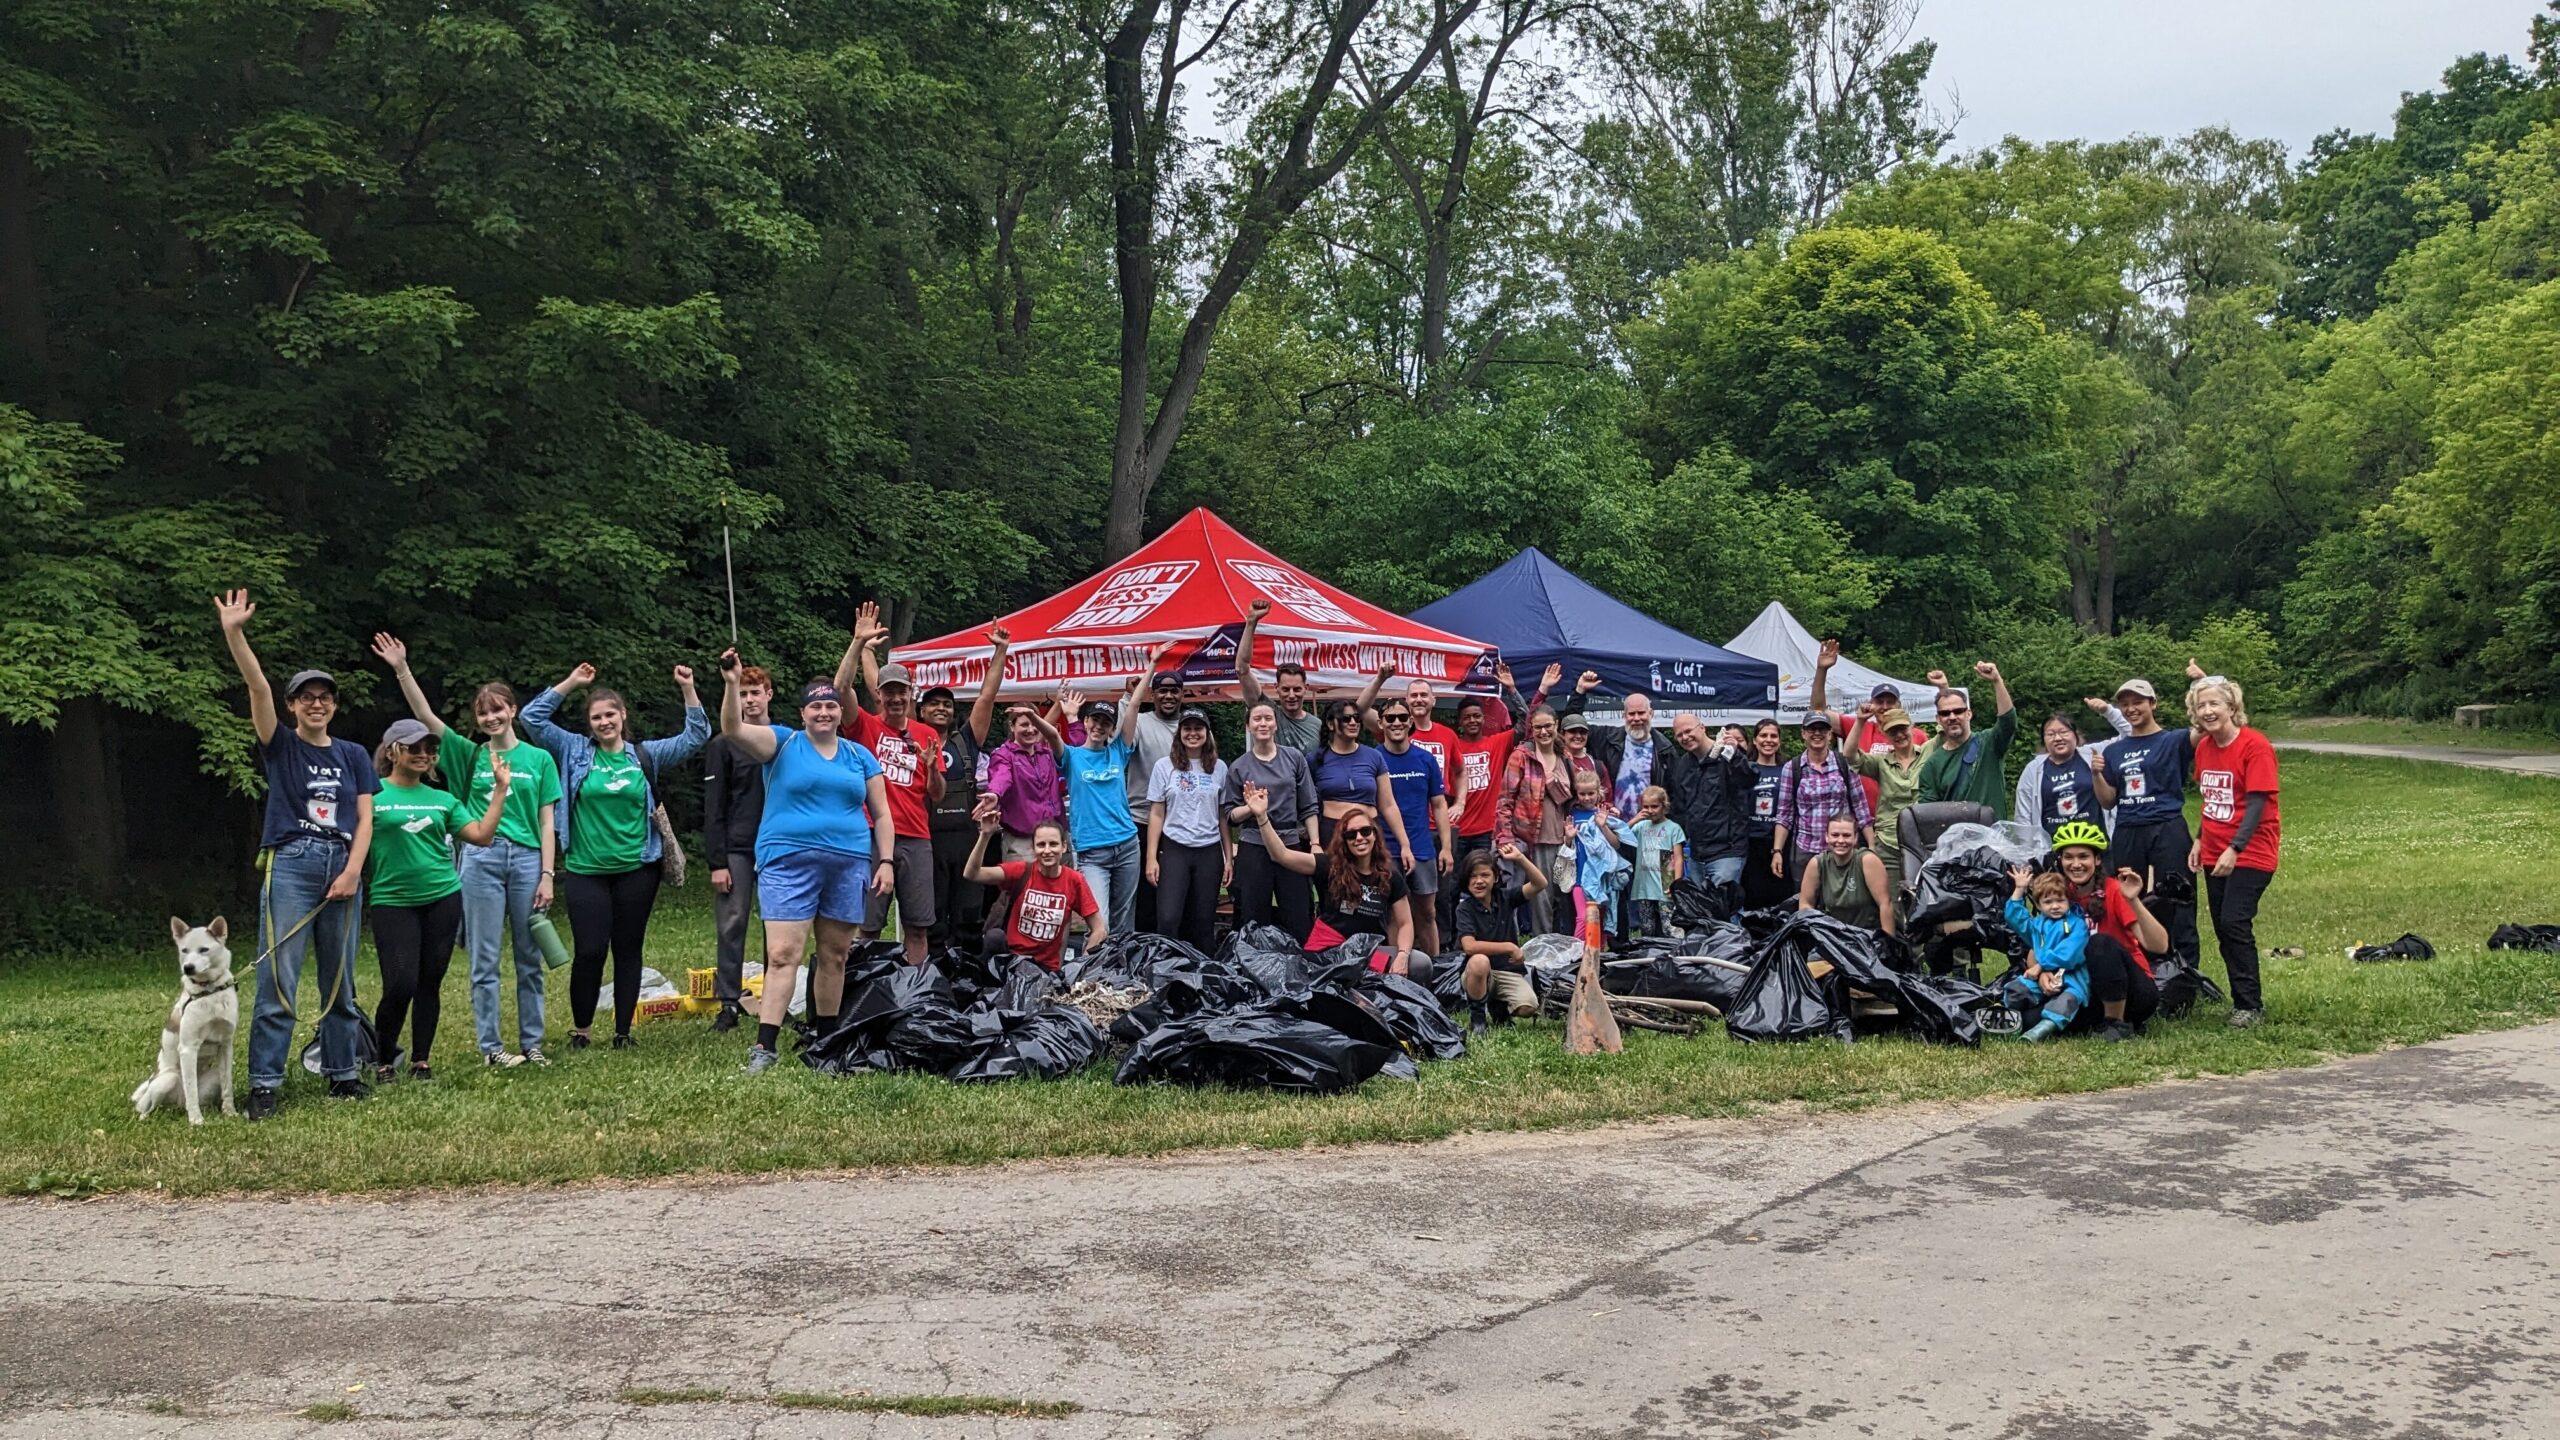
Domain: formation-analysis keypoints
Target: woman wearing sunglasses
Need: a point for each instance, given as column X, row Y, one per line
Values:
column 1352, row 776
column 417, row 895
column 1364, row 896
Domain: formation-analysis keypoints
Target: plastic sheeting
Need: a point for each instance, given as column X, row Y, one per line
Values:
column 1694, row 904
column 1781, row 999
column 1318, row 1042
column 1414, row 1014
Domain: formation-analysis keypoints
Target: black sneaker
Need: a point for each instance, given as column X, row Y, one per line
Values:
column 726, row 1020
column 2115, row 1032
column 421, row 1072
column 1478, row 1021
column 624, row 1042
column 580, row 1040
column 263, row 1100
column 350, row 1088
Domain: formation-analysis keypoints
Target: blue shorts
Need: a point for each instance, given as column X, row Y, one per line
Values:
column 799, row 885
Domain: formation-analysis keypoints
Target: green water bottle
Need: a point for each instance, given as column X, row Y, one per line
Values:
column 546, row 938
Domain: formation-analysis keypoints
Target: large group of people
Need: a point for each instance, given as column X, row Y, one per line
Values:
column 1366, row 821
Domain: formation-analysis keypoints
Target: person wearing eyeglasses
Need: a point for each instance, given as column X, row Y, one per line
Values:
column 1422, row 804
column 1365, row 896
column 1967, row 764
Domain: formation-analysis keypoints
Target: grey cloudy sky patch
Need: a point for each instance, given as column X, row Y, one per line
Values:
column 2281, row 69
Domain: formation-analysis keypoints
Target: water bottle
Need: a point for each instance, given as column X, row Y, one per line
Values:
column 546, row 938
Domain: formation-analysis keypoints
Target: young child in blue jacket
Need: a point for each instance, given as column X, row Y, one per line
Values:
column 2057, row 977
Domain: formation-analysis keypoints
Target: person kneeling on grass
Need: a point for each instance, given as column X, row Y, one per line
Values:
column 2057, row 975
column 1042, row 893
column 1489, row 934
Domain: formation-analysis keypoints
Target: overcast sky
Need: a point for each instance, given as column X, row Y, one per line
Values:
column 2281, row 69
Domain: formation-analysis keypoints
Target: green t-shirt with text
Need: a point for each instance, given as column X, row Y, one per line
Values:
column 534, row 782
column 612, row 825
column 411, row 862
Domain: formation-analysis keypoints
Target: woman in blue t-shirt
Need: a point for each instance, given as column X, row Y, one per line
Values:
column 2143, row 776
column 1098, row 818
column 1351, row 776
column 826, row 818
column 319, row 827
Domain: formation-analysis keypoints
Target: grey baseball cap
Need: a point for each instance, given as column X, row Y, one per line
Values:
column 893, row 673
column 301, row 678
column 406, row 732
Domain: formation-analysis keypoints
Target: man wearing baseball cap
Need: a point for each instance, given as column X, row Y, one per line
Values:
column 910, row 756
column 2144, row 776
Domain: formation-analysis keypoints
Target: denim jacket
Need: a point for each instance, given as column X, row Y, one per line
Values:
column 577, row 754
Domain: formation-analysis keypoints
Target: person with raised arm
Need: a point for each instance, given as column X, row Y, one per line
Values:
column 959, row 904
column 732, row 813
column 1299, row 727
column 609, row 840
column 508, row 881
column 1268, row 827
column 416, row 893
column 822, row 854
column 1967, row 762
column 910, row 756
column 313, row 841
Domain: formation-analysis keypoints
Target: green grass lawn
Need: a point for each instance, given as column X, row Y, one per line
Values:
column 2369, row 730
column 2372, row 849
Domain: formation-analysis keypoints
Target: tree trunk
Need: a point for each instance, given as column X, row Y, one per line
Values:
column 2106, row 586
column 88, row 796
column 1134, row 153
column 2075, row 559
column 21, row 291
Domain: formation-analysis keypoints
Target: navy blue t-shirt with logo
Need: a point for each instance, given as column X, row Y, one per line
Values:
column 2069, row 792
column 1764, row 798
column 2148, row 774
column 311, row 789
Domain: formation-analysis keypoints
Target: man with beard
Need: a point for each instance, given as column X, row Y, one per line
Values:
column 1710, row 785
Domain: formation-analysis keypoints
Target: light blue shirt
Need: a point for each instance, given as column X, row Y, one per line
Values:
column 1098, row 795
column 812, row 802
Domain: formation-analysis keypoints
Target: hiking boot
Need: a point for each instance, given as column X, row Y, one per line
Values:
column 625, row 1042
column 2246, row 1019
column 533, row 1056
column 501, row 1060
column 759, row 1060
column 580, row 1040
column 726, row 1020
column 350, row 1088
column 2115, row 1032
column 263, row 1100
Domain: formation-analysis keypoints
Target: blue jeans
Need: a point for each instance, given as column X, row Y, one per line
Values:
column 1112, row 871
column 1726, row 871
column 298, row 876
column 498, row 881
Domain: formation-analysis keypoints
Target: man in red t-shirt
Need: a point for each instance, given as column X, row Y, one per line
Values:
column 910, row 756
column 1043, row 893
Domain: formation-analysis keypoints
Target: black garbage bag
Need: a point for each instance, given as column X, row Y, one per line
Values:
column 1136, row 958
column 1179, row 977
column 1695, row 904
column 1276, row 962
column 2407, row 947
column 1414, row 1014
column 1449, row 978
column 1027, row 984
column 1316, row 1042
column 2181, row 986
column 1668, row 977
column 1047, row 1042
column 1725, row 940
column 1780, row 1000
column 973, row 976
column 1968, row 885
column 902, row 1018
column 2526, row 937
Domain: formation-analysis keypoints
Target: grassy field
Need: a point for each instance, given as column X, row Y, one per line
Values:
column 2368, row 730
column 2369, row 854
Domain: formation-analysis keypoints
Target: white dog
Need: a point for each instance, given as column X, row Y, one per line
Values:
column 195, row 1043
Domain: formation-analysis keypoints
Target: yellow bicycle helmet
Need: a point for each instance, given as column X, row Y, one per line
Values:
column 2079, row 832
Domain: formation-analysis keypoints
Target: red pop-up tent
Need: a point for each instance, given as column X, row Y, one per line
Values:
column 1190, row 585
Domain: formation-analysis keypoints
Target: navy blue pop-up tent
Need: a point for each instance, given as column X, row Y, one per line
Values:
column 1538, row 612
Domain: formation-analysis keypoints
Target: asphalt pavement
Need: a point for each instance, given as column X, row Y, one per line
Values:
column 2364, row 1249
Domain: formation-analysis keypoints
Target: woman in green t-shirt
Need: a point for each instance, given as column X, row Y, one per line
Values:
column 417, row 897
column 508, row 881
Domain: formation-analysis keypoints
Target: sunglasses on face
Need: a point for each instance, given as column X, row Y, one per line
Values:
column 1397, row 718
column 1362, row 834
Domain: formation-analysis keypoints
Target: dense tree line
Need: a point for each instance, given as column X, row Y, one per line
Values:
column 494, row 321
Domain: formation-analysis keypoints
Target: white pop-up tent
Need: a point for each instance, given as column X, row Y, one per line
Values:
column 1776, row 637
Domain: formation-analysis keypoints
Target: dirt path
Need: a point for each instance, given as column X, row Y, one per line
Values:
column 2365, row 1247
column 2515, row 762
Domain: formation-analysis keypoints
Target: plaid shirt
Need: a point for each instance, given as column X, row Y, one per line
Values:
column 1810, row 798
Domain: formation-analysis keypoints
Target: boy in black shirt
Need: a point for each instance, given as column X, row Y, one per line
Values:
column 1489, row 934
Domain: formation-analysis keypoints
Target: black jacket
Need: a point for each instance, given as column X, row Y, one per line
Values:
column 732, row 801
column 1711, row 798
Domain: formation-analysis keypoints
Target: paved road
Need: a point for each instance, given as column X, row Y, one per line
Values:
column 2365, row 1249
column 2516, row 762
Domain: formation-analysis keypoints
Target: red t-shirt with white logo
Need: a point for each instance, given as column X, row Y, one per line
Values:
column 1037, row 928
column 902, row 756
column 2228, row 775
column 1436, row 738
column 1476, row 766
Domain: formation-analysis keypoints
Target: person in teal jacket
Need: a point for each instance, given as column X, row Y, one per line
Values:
column 2056, row 981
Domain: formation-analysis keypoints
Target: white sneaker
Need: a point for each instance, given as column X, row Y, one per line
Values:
column 501, row 1060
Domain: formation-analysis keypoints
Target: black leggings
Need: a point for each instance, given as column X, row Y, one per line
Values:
column 608, row 911
column 1760, row 889
column 1187, row 896
column 1267, row 894
column 2235, row 900
column 414, row 944
column 959, row 905
column 2113, row 976
column 2156, row 850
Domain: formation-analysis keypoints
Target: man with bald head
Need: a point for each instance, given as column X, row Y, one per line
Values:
column 1627, row 757
column 1710, row 782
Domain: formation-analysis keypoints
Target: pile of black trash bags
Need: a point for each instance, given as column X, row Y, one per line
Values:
column 1261, row 1013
